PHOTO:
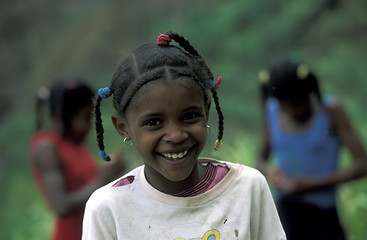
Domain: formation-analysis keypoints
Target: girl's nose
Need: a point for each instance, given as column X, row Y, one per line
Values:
column 175, row 134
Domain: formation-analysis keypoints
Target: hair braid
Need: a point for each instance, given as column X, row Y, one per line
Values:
column 220, row 115
column 314, row 85
column 38, row 114
column 184, row 43
column 264, row 93
column 99, row 125
column 43, row 97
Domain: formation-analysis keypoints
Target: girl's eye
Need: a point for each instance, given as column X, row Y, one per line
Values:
column 192, row 115
column 152, row 122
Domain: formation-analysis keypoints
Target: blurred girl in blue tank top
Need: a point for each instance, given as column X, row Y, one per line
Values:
column 305, row 131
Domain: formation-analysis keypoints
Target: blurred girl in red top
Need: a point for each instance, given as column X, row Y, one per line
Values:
column 63, row 167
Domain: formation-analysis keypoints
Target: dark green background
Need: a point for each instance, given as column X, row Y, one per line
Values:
column 42, row 40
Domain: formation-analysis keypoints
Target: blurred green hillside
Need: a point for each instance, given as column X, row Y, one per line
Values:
column 43, row 40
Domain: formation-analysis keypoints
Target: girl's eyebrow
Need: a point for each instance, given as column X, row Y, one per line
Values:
column 157, row 114
column 150, row 115
column 194, row 107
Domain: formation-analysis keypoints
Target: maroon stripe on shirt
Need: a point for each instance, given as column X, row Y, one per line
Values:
column 202, row 186
column 124, row 181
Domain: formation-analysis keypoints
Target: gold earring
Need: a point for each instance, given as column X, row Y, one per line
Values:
column 127, row 139
column 208, row 129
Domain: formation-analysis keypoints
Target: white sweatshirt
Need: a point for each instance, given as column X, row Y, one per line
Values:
column 239, row 207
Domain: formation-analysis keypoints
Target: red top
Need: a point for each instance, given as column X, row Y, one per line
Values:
column 78, row 167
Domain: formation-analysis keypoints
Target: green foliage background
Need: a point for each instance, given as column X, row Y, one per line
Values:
column 42, row 40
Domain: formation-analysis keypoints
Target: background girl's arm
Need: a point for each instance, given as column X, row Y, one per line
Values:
column 61, row 201
column 350, row 139
column 273, row 174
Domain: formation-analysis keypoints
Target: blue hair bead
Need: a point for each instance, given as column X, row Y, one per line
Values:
column 104, row 155
column 211, row 83
column 104, row 92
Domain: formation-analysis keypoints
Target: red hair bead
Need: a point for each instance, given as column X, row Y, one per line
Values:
column 163, row 39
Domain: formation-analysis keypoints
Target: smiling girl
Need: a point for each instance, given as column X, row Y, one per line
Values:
column 161, row 95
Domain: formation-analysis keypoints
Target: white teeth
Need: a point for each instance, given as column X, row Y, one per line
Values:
column 175, row 155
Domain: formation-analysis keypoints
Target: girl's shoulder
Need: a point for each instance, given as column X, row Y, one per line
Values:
column 127, row 178
column 44, row 142
column 215, row 162
column 333, row 107
column 46, row 136
column 108, row 192
column 337, row 114
column 272, row 103
column 242, row 171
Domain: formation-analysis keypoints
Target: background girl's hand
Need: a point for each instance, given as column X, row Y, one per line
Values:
column 294, row 185
column 275, row 176
column 113, row 169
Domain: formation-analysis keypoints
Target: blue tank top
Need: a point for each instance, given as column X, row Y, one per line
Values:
column 312, row 152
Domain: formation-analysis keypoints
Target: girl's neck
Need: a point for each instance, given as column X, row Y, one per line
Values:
column 290, row 124
column 173, row 187
column 72, row 139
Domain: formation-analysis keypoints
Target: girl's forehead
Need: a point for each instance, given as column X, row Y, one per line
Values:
column 163, row 92
column 164, row 84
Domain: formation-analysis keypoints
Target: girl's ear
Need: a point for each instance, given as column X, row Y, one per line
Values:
column 120, row 124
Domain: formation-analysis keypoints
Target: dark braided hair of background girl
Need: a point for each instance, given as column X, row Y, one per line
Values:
column 67, row 96
column 290, row 81
column 150, row 62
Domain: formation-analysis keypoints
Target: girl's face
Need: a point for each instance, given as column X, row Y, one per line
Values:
column 300, row 111
column 80, row 124
column 166, row 121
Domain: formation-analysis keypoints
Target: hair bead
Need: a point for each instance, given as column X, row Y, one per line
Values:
column 218, row 144
column 264, row 76
column 104, row 156
column 214, row 84
column 43, row 93
column 302, row 71
column 218, row 82
column 104, row 92
column 163, row 39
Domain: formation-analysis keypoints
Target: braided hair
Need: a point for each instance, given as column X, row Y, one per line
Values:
column 151, row 62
